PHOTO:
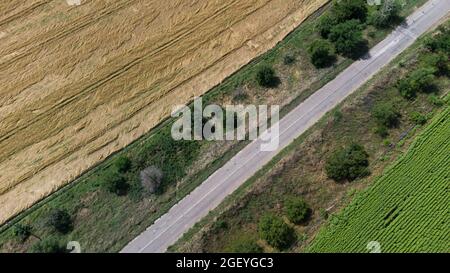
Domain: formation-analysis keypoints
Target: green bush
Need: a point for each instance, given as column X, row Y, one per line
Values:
column 421, row 80
column 288, row 59
column 326, row 23
column 22, row 232
column 387, row 15
column 116, row 183
column 386, row 114
column 321, row 53
column 436, row 100
column 220, row 225
column 122, row 164
column 348, row 163
column 439, row 61
column 275, row 231
column 172, row 157
column 266, row 77
column 382, row 130
column 440, row 42
column 60, row 220
column 348, row 39
column 344, row 10
column 49, row 245
column 296, row 210
column 244, row 244
column 418, row 118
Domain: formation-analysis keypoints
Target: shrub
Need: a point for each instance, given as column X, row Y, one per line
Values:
column 122, row 164
column 321, row 53
column 49, row 245
column 436, row 100
column 323, row 213
column 239, row 94
column 386, row 114
column 326, row 23
column 387, row 15
column 116, row 183
column 220, row 225
column 151, row 179
column 22, row 232
column 275, row 231
column 348, row 163
column 245, row 245
column 418, row 118
column 382, row 131
column 337, row 116
column 439, row 61
column 348, row 39
column 344, row 10
column 61, row 221
column 421, row 80
column 266, row 77
column 296, row 210
column 288, row 59
column 440, row 42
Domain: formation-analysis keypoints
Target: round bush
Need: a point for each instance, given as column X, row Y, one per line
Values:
column 348, row 163
column 275, row 231
column 122, row 164
column 266, row 77
column 321, row 54
column 296, row 210
column 61, row 221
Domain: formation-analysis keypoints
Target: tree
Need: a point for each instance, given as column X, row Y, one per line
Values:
column 122, row 164
column 116, row 183
column 22, row 232
column 266, row 77
column 275, row 231
column 386, row 114
column 61, row 221
column 387, row 15
column 348, row 163
column 244, row 244
column 321, row 53
column 49, row 245
column 296, row 210
column 348, row 39
column 345, row 10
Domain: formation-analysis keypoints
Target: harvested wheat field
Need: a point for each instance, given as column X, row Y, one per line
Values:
column 79, row 82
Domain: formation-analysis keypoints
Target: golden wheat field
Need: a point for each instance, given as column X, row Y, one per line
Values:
column 79, row 82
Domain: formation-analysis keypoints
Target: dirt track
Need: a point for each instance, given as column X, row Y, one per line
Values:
column 80, row 82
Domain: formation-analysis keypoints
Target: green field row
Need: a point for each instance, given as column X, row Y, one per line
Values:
column 406, row 209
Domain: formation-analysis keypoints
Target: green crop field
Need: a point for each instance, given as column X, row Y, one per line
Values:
column 407, row 208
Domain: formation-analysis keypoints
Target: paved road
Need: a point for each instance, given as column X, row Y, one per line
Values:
column 180, row 218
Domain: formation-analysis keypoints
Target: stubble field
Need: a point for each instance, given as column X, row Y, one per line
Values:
column 81, row 82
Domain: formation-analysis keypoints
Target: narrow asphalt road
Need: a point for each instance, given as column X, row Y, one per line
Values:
column 181, row 217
